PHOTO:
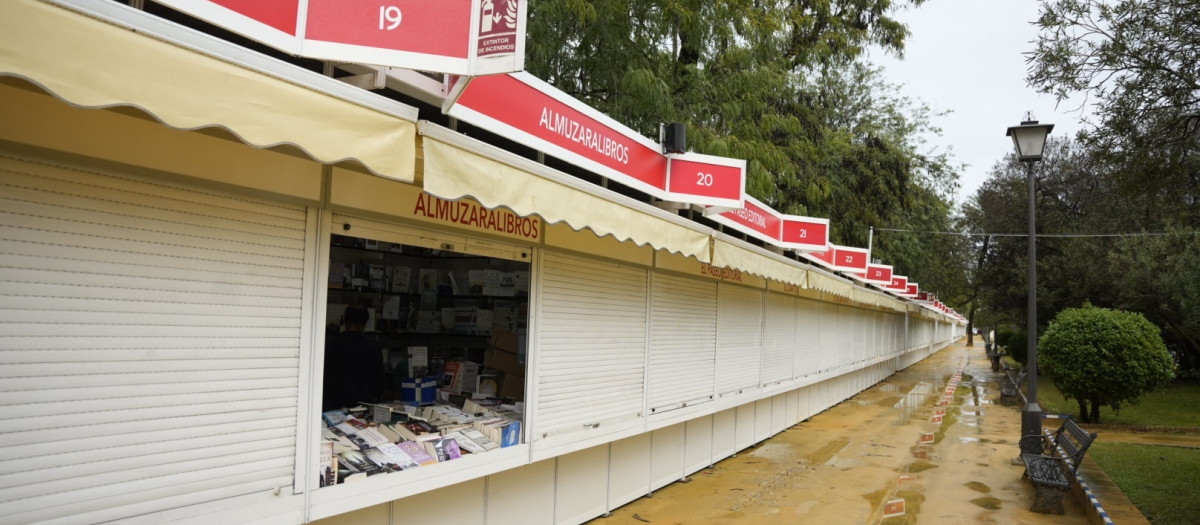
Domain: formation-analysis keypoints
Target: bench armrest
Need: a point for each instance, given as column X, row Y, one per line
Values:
column 1050, row 470
column 1034, row 444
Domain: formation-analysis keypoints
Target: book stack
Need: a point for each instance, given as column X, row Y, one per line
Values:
column 409, row 437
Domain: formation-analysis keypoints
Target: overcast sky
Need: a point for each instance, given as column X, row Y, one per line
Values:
column 966, row 56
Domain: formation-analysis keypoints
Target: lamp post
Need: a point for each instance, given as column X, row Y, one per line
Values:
column 1029, row 140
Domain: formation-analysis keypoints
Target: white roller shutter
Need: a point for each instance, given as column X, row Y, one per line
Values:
column 149, row 343
column 683, row 342
column 857, row 338
column 739, row 337
column 830, row 336
column 846, row 329
column 592, row 344
column 808, row 331
column 779, row 345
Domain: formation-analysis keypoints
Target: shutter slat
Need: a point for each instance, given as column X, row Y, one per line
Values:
column 71, row 254
column 157, row 192
column 90, row 200
column 106, row 392
column 116, row 434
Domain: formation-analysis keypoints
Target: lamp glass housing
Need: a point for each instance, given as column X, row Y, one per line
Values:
column 1029, row 139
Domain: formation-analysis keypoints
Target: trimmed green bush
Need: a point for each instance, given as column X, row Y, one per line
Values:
column 1018, row 347
column 1102, row 357
column 1003, row 335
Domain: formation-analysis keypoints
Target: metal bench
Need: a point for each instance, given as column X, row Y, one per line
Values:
column 1010, row 391
column 1051, row 461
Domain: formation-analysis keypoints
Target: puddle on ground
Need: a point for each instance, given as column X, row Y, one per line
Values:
column 978, row 487
column 889, row 401
column 825, row 453
column 920, row 395
column 968, row 439
column 888, row 387
column 776, row 451
column 912, row 508
column 987, row 502
column 876, row 498
column 920, row 466
column 947, row 421
column 922, row 451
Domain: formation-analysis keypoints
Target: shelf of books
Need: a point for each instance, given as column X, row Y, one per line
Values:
column 450, row 328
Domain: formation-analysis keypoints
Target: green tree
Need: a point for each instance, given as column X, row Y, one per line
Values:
column 1160, row 276
column 1135, row 61
column 784, row 85
column 1102, row 357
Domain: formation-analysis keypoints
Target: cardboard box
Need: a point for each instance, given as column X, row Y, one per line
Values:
column 513, row 386
column 502, row 361
column 504, row 340
column 501, row 354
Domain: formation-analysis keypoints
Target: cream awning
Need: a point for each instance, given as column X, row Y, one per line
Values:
column 730, row 253
column 175, row 78
column 831, row 285
column 457, row 166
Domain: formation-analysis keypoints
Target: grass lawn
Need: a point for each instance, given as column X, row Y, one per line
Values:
column 1175, row 405
column 1161, row 481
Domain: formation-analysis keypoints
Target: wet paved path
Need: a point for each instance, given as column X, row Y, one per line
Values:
column 845, row 464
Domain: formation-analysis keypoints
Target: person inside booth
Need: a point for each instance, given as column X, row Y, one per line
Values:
column 354, row 368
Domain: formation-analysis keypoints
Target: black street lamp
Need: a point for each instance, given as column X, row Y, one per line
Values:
column 1029, row 139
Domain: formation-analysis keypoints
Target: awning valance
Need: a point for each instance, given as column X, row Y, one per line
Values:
column 831, row 285
column 457, row 166
column 188, row 80
column 730, row 253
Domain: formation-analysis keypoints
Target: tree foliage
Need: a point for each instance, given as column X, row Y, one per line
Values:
column 1160, row 276
column 1101, row 357
column 784, row 85
column 1081, row 192
column 1136, row 60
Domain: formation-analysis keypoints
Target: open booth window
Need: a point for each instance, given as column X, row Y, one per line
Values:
column 424, row 356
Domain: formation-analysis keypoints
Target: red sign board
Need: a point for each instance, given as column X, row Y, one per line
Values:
column 821, row 258
column 389, row 31
column 847, row 259
column 899, row 284
column 911, row 291
column 878, row 274
column 923, row 296
column 804, row 233
column 532, row 112
column 278, row 14
column 705, row 179
column 525, row 109
column 753, row 218
column 461, row 37
column 272, row 22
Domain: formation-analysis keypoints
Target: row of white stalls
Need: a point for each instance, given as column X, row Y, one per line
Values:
column 163, row 296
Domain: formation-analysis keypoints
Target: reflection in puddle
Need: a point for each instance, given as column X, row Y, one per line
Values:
column 920, row 394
